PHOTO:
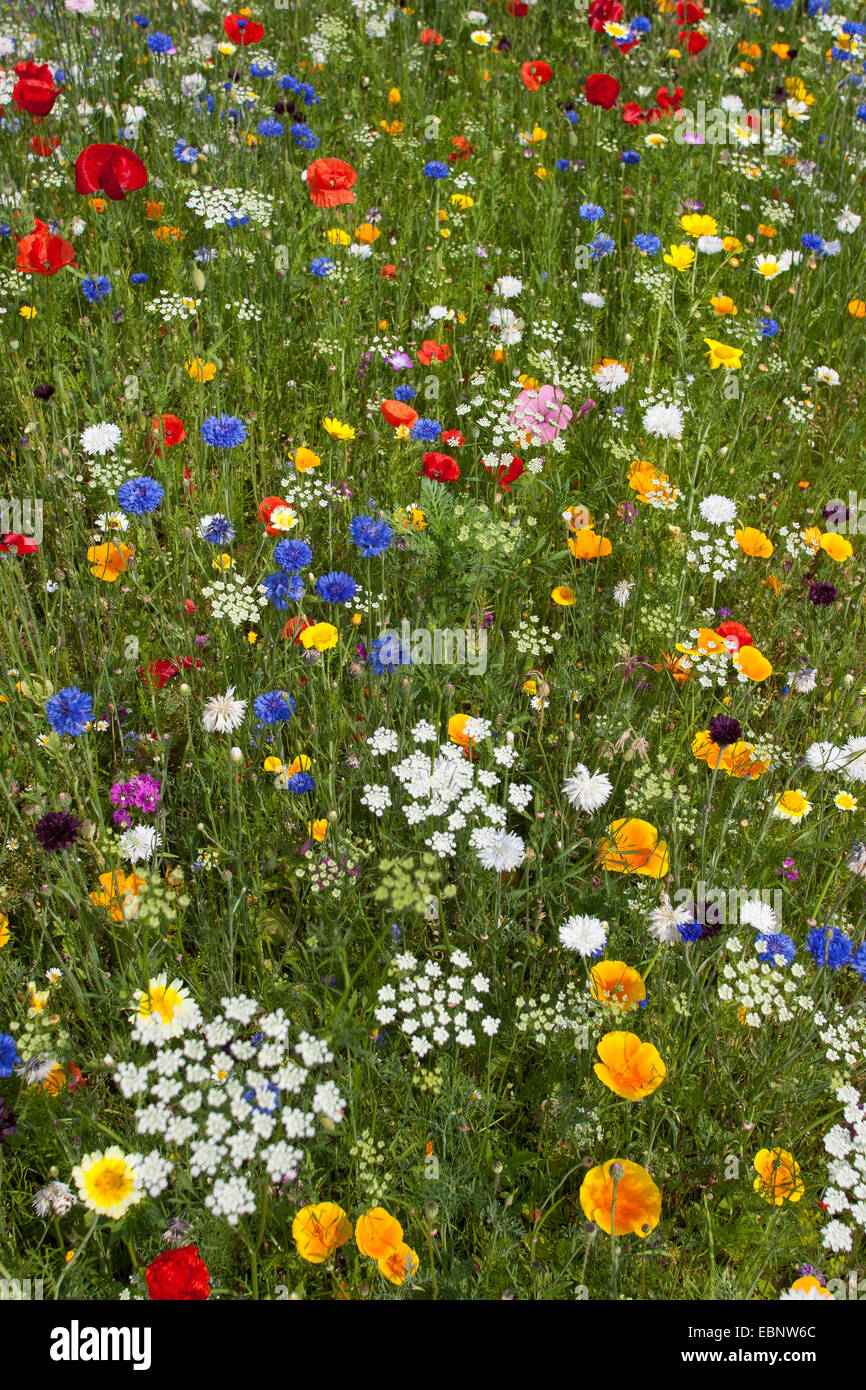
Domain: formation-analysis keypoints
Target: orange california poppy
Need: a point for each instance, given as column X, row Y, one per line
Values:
column 621, row 1198
column 586, row 545
column 614, row 982
column 109, row 560
column 400, row 1263
column 752, row 663
column 377, row 1233
column 629, row 1067
column 753, row 542
column 634, row 848
column 117, row 888
column 778, row 1176
column 318, row 1230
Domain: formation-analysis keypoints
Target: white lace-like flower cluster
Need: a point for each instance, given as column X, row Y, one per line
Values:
column 234, row 1095
column 760, row 992
column 218, row 205
column 235, row 600
column 434, row 1009
column 846, row 1171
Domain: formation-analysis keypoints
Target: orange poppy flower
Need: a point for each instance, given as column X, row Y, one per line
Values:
column 614, row 982
column 586, row 545
column 109, row 560
column 318, row 1231
column 778, row 1176
column 621, row 1198
column 629, row 1067
column 635, row 848
column 753, row 542
column 117, row 888
column 378, row 1233
column 399, row 1264
column 752, row 663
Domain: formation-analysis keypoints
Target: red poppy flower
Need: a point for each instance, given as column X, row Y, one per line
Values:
column 428, row 36
column 453, row 437
column 602, row 12
column 430, row 349
column 35, row 91
column 268, row 506
column 602, row 90
column 242, row 30
column 633, row 113
column 112, row 168
column 294, row 627
column 25, row 545
column 178, row 1276
column 167, row 430
column 44, row 147
column 442, row 467
column 398, row 413
column 687, row 13
column 389, row 272
column 75, row 1078
column 43, row 253
column 506, row 474
column 742, row 634
column 517, row 9
column 669, row 100
column 330, row 182
column 156, row 673
column 535, row 74
column 696, row 42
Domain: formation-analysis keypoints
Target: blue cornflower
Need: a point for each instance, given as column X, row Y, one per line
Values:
column 641, row 24
column 690, row 931
column 829, row 946
column 426, row 430
column 300, row 783
column 858, row 961
column 140, row 495
column 769, row 328
column 293, row 555
column 386, row 655
column 274, row 707
column 814, row 7
column 839, row 55
column 590, row 212
column 282, row 586
column 8, row 1054
column 160, row 43
column 270, row 129
column 647, row 243
column 218, row 530
column 237, row 219
column 781, row 4
column 405, row 392
column 138, row 277
column 572, row 117
column 776, row 944
column 600, row 246
column 94, row 290
column 262, row 69
column 435, row 169
column 812, row 242
column 253, row 1094
column 861, row 112
column 854, row 29
column 630, row 157
column 184, row 153
column 563, row 164
column 141, row 20
column 304, row 137
column 69, row 711
column 322, row 267
column 5, row 229
column 370, row 535
column 223, row 431
column 336, row 587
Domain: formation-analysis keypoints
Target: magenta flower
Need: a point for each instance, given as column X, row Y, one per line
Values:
column 542, row 413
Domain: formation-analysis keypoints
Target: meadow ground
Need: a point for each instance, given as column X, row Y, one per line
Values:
column 433, row 738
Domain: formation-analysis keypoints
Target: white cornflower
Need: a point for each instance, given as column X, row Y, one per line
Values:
column 718, row 510
column 587, row 791
column 804, row 681
column 55, row 1199
column 854, row 765
column 622, row 591
column 824, row 757
column 501, row 851
column 507, row 287
column 139, row 843
column 585, row 935
column 100, row 439
column 663, row 421
column 223, row 714
column 666, row 919
column 758, row 914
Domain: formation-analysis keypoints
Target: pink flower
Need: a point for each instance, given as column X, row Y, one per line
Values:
column 542, row 413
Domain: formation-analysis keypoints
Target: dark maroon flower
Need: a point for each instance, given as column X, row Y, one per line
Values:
column 44, row 392
column 8, row 1122
column 56, row 830
column 822, row 595
column 724, row 729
